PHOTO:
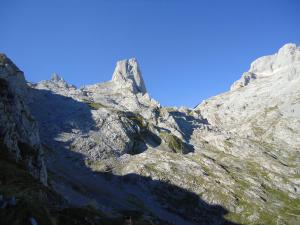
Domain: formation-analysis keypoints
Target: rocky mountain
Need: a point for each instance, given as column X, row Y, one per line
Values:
column 117, row 156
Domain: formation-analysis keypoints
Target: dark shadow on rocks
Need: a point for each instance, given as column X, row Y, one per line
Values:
column 58, row 109
column 50, row 108
column 187, row 123
column 180, row 202
column 188, row 148
column 145, row 137
column 136, row 196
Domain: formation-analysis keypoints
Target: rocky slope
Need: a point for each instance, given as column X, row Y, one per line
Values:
column 234, row 159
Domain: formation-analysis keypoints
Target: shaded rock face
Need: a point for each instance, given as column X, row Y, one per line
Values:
column 19, row 134
column 127, row 74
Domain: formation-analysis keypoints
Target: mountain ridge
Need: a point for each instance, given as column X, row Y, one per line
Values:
column 232, row 159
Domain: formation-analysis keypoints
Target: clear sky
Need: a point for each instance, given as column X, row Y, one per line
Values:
column 188, row 50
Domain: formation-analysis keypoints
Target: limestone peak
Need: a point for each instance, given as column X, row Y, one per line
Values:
column 56, row 78
column 128, row 75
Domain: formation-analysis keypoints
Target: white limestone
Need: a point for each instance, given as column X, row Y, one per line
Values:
column 128, row 75
column 237, row 149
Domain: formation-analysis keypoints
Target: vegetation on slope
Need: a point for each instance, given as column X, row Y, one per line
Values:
column 173, row 142
column 94, row 105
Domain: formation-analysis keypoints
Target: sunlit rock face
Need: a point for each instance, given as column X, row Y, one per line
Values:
column 266, row 98
column 234, row 159
column 285, row 61
column 127, row 74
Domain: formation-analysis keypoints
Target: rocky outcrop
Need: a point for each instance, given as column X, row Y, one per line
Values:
column 127, row 74
column 19, row 134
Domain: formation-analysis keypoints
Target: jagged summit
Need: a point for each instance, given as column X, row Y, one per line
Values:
column 128, row 75
column 56, row 78
column 56, row 84
column 126, row 89
column 59, row 80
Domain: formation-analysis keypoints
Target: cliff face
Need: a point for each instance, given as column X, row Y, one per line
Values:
column 19, row 133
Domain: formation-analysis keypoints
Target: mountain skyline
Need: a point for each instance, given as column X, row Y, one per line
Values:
column 194, row 51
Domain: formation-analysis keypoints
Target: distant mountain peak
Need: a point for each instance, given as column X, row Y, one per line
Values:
column 127, row 74
column 56, row 78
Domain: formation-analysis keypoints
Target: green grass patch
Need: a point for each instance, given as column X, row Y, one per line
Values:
column 173, row 142
column 94, row 105
column 138, row 120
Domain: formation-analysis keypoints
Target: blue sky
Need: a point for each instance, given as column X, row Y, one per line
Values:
column 188, row 50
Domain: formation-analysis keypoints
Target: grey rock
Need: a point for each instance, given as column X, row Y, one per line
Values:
column 239, row 149
column 127, row 74
column 18, row 130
